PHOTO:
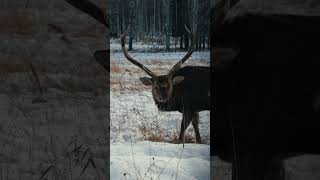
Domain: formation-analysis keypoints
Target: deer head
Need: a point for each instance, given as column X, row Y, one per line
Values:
column 162, row 85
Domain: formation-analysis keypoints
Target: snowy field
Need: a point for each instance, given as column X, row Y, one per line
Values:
column 143, row 138
column 153, row 160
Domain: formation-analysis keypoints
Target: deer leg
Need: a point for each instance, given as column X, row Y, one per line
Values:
column 195, row 123
column 186, row 119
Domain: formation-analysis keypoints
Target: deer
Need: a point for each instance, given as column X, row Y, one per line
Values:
column 183, row 89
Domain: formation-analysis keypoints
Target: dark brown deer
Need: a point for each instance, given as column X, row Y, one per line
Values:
column 184, row 89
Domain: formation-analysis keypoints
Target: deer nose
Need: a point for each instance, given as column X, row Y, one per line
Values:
column 164, row 95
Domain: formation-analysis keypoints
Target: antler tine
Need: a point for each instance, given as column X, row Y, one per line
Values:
column 133, row 61
column 190, row 51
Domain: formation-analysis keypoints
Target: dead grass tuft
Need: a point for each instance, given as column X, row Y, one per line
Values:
column 155, row 134
column 158, row 134
column 187, row 139
column 115, row 68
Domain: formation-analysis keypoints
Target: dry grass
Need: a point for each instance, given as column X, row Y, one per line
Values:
column 158, row 134
column 153, row 134
column 187, row 139
column 115, row 68
column 117, row 86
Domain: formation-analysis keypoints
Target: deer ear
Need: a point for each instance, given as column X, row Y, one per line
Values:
column 177, row 80
column 146, row 81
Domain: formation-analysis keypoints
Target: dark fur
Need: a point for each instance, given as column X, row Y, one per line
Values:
column 188, row 97
column 265, row 103
column 191, row 93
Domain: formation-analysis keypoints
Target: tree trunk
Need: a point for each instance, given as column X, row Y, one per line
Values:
column 186, row 42
column 131, row 22
column 181, row 45
column 203, row 41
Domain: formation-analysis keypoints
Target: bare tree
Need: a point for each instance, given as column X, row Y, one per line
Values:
column 160, row 19
column 167, row 22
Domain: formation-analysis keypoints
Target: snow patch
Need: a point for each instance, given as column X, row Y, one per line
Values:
column 152, row 160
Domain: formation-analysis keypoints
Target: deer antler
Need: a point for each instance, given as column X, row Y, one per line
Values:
column 191, row 50
column 133, row 61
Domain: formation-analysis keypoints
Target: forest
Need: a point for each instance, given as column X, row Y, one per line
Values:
column 161, row 21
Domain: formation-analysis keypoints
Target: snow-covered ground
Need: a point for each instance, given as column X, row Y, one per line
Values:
column 153, row 160
column 163, row 56
column 140, row 134
column 134, row 117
